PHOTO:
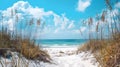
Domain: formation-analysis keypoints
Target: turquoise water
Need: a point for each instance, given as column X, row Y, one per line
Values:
column 60, row 42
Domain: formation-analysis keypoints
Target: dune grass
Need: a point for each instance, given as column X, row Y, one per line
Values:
column 105, row 50
column 16, row 41
column 25, row 47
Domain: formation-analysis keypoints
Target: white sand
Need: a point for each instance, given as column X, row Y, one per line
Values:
column 64, row 57
column 67, row 57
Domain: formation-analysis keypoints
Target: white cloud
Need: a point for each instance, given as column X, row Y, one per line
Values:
column 82, row 29
column 24, row 8
column 60, row 23
column 117, row 5
column 64, row 22
column 57, row 20
column 76, row 31
column 57, row 30
column 10, row 24
column 21, row 5
column 38, row 12
column 83, row 4
column 34, row 11
column 71, row 25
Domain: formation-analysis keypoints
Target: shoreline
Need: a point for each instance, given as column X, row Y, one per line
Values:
column 61, row 46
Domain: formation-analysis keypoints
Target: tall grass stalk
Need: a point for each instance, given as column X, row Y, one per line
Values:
column 22, row 43
column 106, row 51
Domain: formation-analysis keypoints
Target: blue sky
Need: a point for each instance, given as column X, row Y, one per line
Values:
column 62, row 6
column 62, row 17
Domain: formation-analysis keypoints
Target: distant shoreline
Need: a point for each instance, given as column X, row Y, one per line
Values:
column 61, row 46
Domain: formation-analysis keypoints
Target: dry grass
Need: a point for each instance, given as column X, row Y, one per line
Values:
column 92, row 45
column 106, row 52
column 109, row 56
column 13, row 41
column 33, row 52
column 25, row 47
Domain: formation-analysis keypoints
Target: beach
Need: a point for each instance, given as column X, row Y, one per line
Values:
column 63, row 53
column 67, row 57
column 60, row 57
column 60, row 33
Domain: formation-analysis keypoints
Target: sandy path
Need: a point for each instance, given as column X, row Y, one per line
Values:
column 66, row 57
column 62, row 57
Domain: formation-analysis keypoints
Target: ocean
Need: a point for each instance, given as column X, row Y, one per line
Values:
column 60, row 42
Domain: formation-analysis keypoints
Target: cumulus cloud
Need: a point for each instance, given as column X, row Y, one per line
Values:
column 10, row 23
column 117, row 5
column 76, row 31
column 24, row 11
column 82, row 29
column 34, row 11
column 62, row 23
column 83, row 4
column 57, row 20
column 57, row 30
column 71, row 25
